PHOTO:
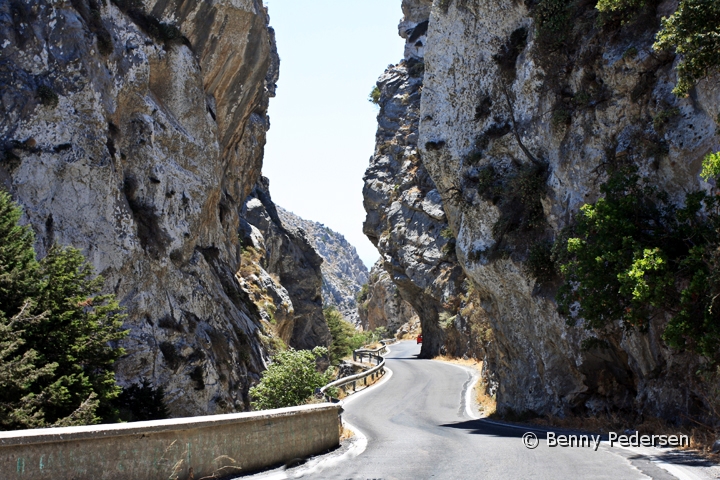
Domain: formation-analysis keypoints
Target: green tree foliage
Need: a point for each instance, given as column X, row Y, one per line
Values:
column 290, row 379
column 374, row 96
column 633, row 255
column 56, row 333
column 693, row 31
column 342, row 334
column 345, row 338
column 711, row 166
column 142, row 402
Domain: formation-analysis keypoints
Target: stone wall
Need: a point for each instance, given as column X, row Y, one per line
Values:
column 182, row 449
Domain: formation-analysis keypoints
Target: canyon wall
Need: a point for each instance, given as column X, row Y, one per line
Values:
column 343, row 273
column 134, row 130
column 479, row 88
column 380, row 304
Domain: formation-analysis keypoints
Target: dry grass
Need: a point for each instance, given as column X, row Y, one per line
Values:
column 345, row 433
column 485, row 403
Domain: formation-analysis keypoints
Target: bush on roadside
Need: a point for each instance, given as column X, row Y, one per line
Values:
column 290, row 379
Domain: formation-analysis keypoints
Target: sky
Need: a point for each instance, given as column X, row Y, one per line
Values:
column 322, row 127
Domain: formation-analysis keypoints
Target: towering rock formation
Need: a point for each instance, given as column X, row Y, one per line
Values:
column 405, row 219
column 501, row 96
column 134, row 130
column 343, row 273
column 290, row 255
column 381, row 305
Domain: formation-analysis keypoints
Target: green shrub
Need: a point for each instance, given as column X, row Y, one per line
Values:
column 416, row 68
column 620, row 12
column 693, row 31
column 711, row 166
column 552, row 20
column 140, row 402
column 56, row 334
column 540, row 263
column 341, row 333
column 517, row 194
column 619, row 5
column 663, row 117
column 374, row 96
column 561, row 118
column 633, row 256
column 363, row 294
column 630, row 52
column 290, row 379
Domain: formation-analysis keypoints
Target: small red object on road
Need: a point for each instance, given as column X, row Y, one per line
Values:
column 419, row 339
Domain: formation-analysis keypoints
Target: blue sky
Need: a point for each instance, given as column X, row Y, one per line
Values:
column 322, row 128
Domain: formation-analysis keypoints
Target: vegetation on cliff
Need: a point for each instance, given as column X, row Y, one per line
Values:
column 634, row 255
column 57, row 334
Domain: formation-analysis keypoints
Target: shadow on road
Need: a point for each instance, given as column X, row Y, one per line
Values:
column 483, row 427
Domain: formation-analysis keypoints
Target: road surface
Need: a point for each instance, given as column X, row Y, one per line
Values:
column 418, row 426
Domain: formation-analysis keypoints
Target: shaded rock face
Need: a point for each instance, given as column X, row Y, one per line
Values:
column 138, row 144
column 343, row 273
column 495, row 94
column 383, row 306
column 290, row 255
column 405, row 217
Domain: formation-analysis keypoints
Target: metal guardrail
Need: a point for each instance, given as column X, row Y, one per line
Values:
column 372, row 373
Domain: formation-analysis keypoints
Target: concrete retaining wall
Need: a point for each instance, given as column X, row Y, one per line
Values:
column 181, row 448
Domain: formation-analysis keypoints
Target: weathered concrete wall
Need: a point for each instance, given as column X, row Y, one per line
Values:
column 183, row 448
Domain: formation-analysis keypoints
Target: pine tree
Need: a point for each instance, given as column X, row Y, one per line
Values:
column 59, row 345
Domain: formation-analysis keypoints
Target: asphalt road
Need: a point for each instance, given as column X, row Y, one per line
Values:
column 418, row 427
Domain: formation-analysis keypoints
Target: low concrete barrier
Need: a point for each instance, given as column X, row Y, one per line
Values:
column 182, row 448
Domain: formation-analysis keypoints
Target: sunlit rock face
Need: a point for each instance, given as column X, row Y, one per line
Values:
column 494, row 94
column 291, row 257
column 343, row 273
column 405, row 217
column 382, row 305
column 136, row 135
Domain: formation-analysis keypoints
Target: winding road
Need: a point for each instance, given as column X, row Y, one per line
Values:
column 417, row 425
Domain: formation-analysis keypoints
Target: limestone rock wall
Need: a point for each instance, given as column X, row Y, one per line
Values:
column 343, row 273
column 134, row 130
column 290, row 255
column 494, row 93
column 382, row 305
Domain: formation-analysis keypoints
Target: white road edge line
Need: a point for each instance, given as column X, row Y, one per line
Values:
column 680, row 472
column 468, row 392
column 358, row 446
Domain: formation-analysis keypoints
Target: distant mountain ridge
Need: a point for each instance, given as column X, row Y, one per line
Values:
column 343, row 272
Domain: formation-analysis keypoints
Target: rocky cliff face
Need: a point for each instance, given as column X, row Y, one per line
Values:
column 343, row 273
column 496, row 94
column 290, row 255
column 405, row 219
column 134, row 130
column 382, row 305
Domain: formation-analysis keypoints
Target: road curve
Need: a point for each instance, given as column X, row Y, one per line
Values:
column 418, row 427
